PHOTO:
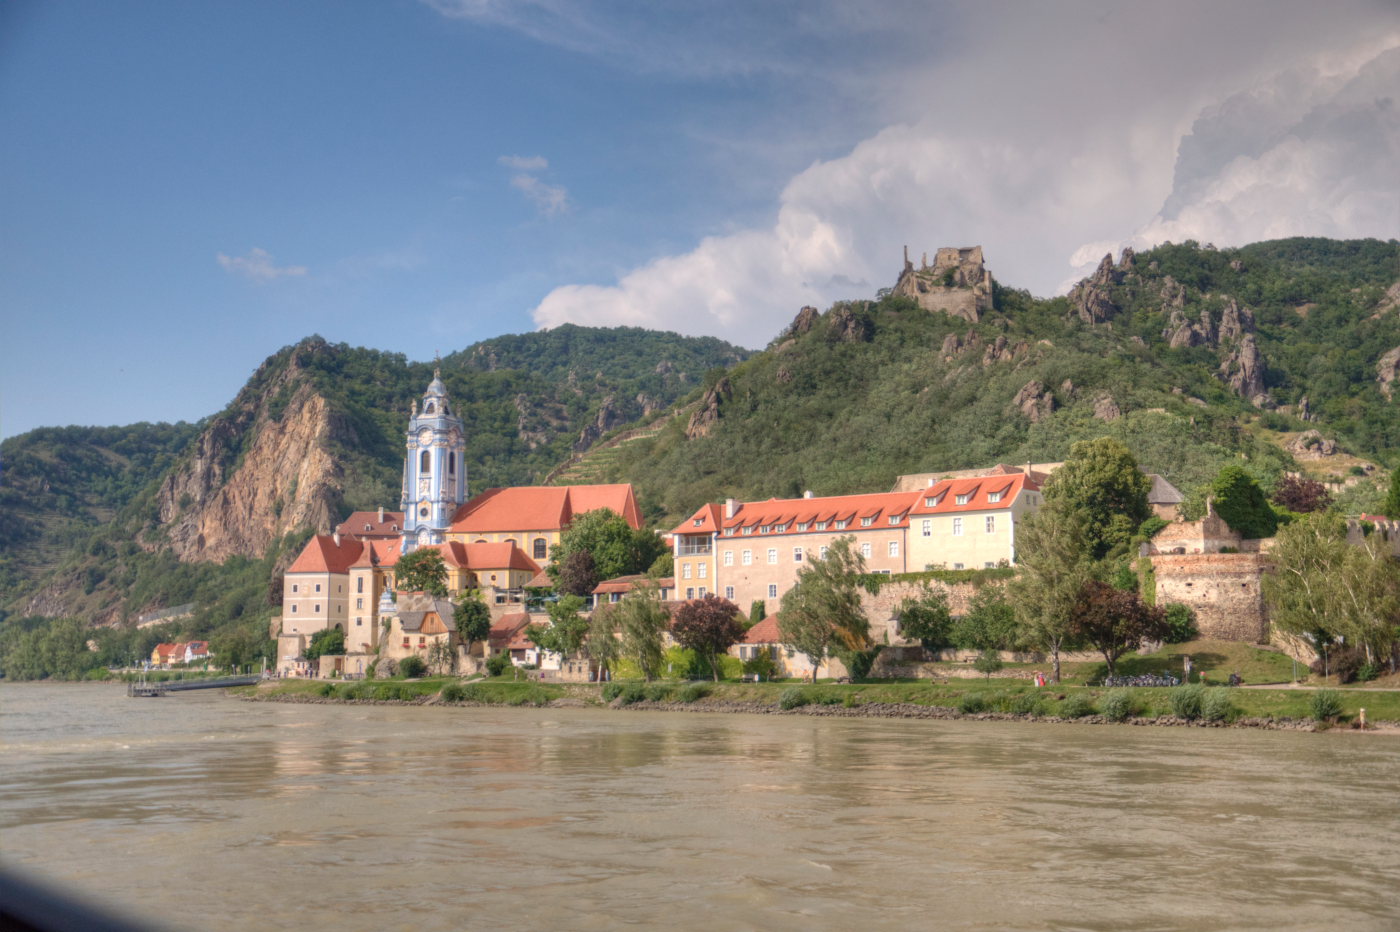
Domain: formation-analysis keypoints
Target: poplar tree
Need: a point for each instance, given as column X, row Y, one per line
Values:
column 643, row 620
column 822, row 614
column 1053, row 558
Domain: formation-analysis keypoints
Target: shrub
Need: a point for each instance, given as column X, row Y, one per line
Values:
column 326, row 689
column 987, row 663
column 1186, row 701
column 628, row 693
column 498, row 664
column 1367, row 672
column 972, row 703
column 792, row 698
column 1181, row 623
column 657, row 692
column 1118, row 705
column 1077, row 705
column 1326, row 705
column 1216, row 705
column 761, row 666
column 611, row 691
column 692, row 692
column 1344, row 663
column 1023, row 704
column 412, row 667
column 826, row 699
column 453, row 692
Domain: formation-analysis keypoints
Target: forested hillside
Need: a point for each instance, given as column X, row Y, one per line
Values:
column 1193, row 356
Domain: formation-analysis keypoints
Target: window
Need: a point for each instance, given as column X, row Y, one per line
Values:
column 990, row 565
column 317, row 608
column 957, row 566
column 894, row 548
column 821, row 525
column 773, row 555
column 779, row 528
column 451, row 462
column 746, row 558
column 294, row 587
column 865, row 550
column 772, row 592
column 729, row 592
column 294, row 609
column 360, row 584
column 866, row 522
column 729, row 558
column 823, row 551
column 991, row 524
column 930, row 502
column 698, row 522
column 694, row 545
column 841, row 524
column 995, row 496
column 704, row 592
column 425, row 463
column 927, row 527
column 360, row 603
column 797, row 554
column 318, row 587
column 957, row 527
column 763, row 529
column 894, row 519
column 541, row 548
column 405, row 641
column 690, row 592
column 685, row 571
column 704, row 569
column 803, row 525
column 729, row 532
column 748, row 530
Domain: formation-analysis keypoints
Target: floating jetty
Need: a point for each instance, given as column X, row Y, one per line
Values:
column 145, row 689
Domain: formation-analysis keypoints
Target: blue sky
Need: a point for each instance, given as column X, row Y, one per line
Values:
column 187, row 187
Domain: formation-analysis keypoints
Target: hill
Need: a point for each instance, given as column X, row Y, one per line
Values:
column 1191, row 355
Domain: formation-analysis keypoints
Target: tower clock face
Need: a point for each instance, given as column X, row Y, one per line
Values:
column 425, row 437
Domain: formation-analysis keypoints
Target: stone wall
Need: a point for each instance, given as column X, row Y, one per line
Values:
column 1222, row 588
column 958, row 283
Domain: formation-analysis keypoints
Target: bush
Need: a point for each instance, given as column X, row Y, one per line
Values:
column 792, row 698
column 1181, row 624
column 1216, row 705
column 972, row 703
column 326, row 689
column 692, row 692
column 657, row 692
column 412, row 667
column 498, row 664
column 1326, row 705
column 1118, row 705
column 1186, row 701
column 1077, row 705
column 628, row 693
column 1024, row 704
column 611, row 691
column 987, row 663
column 453, row 692
column 1344, row 663
column 761, row 666
column 1364, row 673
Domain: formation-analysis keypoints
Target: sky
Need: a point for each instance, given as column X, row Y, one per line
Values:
column 187, row 187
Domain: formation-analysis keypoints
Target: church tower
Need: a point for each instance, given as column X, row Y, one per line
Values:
column 434, row 468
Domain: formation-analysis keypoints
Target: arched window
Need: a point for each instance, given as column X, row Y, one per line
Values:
column 541, row 546
column 428, row 408
column 425, row 463
column 451, row 462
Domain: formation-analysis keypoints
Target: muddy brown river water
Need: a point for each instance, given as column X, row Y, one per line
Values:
column 199, row 811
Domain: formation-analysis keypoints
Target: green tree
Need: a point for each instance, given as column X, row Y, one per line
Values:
column 578, row 574
column 643, row 620
column 987, row 663
column 442, row 657
column 472, row 617
column 412, row 667
column 822, row 612
column 617, row 549
column 709, row 626
column 421, row 571
column 1115, row 621
column 602, row 644
column 988, row 624
column 1051, row 550
column 926, row 618
column 1241, row 503
column 1392, row 498
column 326, row 642
column 566, row 631
column 1101, row 479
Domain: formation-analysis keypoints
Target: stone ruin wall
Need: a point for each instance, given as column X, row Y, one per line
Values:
column 1222, row 588
column 970, row 293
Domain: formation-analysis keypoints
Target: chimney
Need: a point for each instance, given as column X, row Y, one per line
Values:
column 381, row 514
column 931, row 481
column 807, row 494
column 731, row 507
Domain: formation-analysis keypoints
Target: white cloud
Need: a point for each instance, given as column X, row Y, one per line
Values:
column 524, row 163
column 258, row 266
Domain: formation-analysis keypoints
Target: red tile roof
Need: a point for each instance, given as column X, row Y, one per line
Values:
column 542, row 508
column 942, row 497
column 379, row 553
column 366, row 524
column 788, row 513
column 508, row 628
column 765, row 632
column 323, row 555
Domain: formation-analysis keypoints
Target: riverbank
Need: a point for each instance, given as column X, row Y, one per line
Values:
column 1218, row 707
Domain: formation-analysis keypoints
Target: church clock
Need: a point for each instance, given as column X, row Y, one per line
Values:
column 425, row 437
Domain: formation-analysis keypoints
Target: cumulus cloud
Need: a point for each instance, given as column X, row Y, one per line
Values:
column 258, row 266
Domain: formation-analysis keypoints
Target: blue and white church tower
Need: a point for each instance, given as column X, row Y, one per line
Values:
column 434, row 468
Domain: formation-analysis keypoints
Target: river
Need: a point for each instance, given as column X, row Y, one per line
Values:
column 199, row 811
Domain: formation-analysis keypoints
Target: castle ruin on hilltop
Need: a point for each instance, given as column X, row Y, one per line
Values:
column 957, row 283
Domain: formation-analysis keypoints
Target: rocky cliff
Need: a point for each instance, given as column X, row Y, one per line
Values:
column 261, row 469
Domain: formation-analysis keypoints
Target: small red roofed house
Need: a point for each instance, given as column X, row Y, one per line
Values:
column 612, row 590
column 534, row 517
column 763, row 639
column 372, row 525
column 161, row 654
column 970, row 523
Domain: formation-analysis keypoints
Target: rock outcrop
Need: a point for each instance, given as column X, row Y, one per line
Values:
column 1181, row 333
column 958, row 282
column 805, row 320
column 608, row 417
column 261, row 469
column 1311, row 445
column 1106, row 409
column 848, row 325
column 1091, row 299
column 1387, row 371
column 1002, row 350
column 708, row 414
column 1243, row 370
column 1035, row 401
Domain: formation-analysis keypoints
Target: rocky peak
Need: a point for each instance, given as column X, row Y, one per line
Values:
column 805, row 320
column 1090, row 299
column 1002, row 350
column 1035, row 401
column 708, row 414
column 958, row 283
column 1387, row 371
column 1243, row 370
column 1235, row 321
column 847, row 325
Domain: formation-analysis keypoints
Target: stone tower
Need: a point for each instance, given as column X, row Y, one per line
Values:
column 434, row 468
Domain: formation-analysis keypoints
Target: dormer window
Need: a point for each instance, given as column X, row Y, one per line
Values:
column 821, row 525
column 894, row 519
column 779, row 528
column 994, row 496
column 803, row 525
column 699, row 521
column 866, row 522
column 930, row 502
column 749, row 529
column 964, row 498
column 841, row 524
column 729, row 532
